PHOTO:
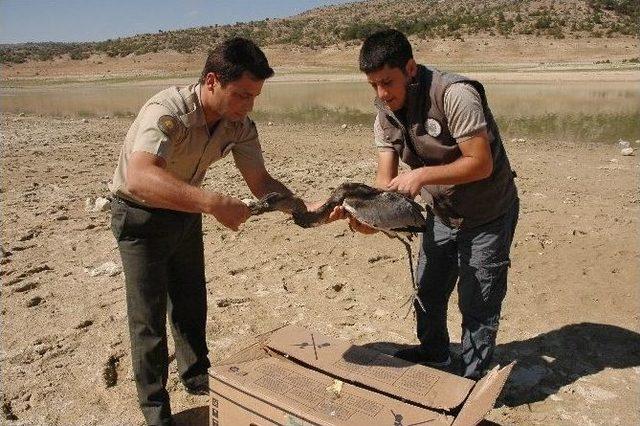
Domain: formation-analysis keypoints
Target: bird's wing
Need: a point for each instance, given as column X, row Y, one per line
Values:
column 387, row 211
column 408, row 209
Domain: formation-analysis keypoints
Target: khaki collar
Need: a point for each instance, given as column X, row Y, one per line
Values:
column 195, row 116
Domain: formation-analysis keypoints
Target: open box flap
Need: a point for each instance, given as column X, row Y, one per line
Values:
column 384, row 373
column 483, row 397
column 274, row 383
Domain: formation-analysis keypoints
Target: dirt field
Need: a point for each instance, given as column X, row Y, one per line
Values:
column 570, row 318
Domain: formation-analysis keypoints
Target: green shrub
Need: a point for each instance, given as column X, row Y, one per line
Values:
column 543, row 22
column 361, row 30
column 78, row 55
column 556, row 32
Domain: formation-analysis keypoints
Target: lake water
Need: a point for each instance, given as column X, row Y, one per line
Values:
column 590, row 111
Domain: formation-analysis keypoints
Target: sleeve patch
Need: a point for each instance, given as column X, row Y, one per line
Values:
column 172, row 127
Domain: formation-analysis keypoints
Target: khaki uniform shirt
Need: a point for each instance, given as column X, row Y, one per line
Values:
column 172, row 125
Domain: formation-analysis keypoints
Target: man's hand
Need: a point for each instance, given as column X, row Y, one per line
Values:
column 313, row 205
column 408, row 183
column 360, row 227
column 337, row 213
column 229, row 211
column 340, row 212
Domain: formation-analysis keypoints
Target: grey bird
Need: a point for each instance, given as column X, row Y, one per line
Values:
column 390, row 212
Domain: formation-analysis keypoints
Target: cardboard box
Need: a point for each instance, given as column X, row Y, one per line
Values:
column 296, row 377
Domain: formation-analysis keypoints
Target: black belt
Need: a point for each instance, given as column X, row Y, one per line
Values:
column 129, row 203
column 135, row 205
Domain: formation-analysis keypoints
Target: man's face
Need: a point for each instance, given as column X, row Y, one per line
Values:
column 390, row 84
column 234, row 100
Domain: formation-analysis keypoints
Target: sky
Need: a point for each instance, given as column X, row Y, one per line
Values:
column 96, row 20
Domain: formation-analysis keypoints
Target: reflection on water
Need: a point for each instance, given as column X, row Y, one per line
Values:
column 589, row 111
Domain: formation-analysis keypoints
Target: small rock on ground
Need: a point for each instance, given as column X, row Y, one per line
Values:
column 109, row 269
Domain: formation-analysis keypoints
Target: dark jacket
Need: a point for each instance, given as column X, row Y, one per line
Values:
column 425, row 140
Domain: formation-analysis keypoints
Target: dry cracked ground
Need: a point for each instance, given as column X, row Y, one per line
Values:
column 570, row 318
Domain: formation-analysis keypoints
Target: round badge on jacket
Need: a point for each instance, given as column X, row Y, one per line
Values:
column 433, row 127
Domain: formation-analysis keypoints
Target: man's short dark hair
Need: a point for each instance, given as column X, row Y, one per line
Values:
column 386, row 47
column 231, row 58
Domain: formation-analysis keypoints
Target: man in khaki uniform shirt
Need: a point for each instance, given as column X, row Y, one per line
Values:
column 157, row 213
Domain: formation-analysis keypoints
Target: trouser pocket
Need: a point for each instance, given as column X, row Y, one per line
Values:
column 491, row 282
column 118, row 217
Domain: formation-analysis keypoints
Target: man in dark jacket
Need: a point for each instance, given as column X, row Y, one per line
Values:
column 440, row 125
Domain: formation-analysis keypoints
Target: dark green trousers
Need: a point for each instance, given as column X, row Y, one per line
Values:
column 163, row 261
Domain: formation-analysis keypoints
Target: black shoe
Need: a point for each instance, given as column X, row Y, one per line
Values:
column 197, row 385
column 197, row 389
column 417, row 355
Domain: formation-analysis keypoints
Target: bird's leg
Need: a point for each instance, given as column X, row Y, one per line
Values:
column 414, row 297
column 407, row 246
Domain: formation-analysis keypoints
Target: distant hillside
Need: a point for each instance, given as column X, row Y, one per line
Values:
column 349, row 23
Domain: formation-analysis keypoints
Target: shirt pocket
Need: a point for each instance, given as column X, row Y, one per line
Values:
column 186, row 157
